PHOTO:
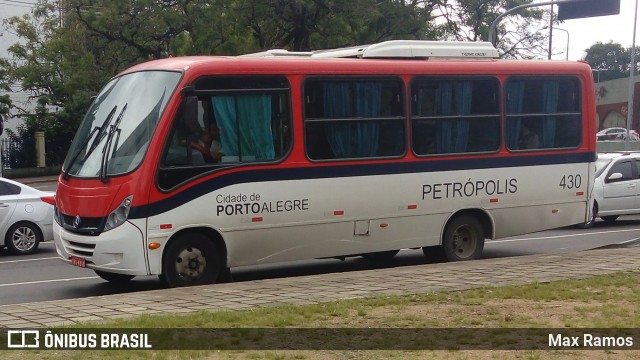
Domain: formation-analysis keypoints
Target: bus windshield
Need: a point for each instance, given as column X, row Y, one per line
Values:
column 115, row 133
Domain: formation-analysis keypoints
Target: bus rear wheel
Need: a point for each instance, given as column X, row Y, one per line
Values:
column 192, row 259
column 463, row 239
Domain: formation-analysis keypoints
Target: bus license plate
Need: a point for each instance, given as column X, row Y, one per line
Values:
column 78, row 261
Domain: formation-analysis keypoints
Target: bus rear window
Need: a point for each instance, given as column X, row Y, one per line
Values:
column 543, row 113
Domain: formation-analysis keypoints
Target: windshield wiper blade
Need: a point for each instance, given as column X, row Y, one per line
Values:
column 101, row 133
column 94, row 144
column 107, row 147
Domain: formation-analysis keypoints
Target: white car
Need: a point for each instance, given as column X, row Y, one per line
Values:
column 616, row 133
column 617, row 186
column 26, row 217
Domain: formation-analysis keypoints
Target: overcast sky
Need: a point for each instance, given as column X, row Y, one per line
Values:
column 11, row 8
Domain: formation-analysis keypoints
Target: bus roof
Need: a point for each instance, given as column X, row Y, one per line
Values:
column 239, row 65
column 395, row 57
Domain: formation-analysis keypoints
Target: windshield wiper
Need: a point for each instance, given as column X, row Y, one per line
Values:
column 94, row 144
column 107, row 147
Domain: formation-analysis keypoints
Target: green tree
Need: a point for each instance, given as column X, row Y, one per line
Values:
column 70, row 48
column 304, row 25
column 611, row 60
column 50, row 65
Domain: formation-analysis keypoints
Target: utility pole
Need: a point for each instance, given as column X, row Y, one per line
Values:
column 550, row 32
column 632, row 68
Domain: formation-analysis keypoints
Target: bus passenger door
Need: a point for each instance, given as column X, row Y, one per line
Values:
column 620, row 188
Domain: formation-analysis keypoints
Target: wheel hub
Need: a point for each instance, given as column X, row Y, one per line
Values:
column 463, row 242
column 190, row 264
column 24, row 238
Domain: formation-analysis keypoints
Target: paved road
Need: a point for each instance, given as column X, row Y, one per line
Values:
column 42, row 277
column 325, row 287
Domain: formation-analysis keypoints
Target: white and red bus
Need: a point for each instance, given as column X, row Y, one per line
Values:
column 188, row 166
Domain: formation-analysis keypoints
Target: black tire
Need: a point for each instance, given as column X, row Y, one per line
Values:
column 113, row 277
column 23, row 238
column 192, row 259
column 380, row 256
column 463, row 239
column 610, row 219
column 592, row 218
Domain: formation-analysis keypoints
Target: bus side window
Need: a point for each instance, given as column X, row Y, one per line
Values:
column 452, row 115
column 232, row 121
column 353, row 118
column 187, row 129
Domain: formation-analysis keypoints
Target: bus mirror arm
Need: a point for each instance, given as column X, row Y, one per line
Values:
column 188, row 90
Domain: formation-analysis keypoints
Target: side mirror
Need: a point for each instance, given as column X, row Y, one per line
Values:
column 614, row 177
column 190, row 114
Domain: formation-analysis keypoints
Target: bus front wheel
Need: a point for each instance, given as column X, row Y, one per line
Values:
column 463, row 239
column 192, row 259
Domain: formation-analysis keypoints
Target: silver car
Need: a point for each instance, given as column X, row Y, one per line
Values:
column 616, row 189
column 26, row 217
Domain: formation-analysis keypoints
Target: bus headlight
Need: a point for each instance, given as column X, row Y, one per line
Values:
column 119, row 215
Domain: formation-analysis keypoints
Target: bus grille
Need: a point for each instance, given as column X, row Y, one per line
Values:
column 80, row 249
column 88, row 225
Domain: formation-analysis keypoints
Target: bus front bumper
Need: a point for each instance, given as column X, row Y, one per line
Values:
column 120, row 250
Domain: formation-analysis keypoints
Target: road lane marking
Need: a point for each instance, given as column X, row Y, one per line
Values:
column 49, row 281
column 565, row 235
column 27, row 260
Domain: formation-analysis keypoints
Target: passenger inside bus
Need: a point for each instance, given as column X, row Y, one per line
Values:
column 528, row 138
column 209, row 144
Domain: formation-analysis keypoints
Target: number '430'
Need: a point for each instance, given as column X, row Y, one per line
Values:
column 571, row 181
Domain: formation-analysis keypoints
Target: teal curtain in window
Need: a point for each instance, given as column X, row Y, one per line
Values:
column 368, row 102
column 515, row 98
column 444, row 102
column 463, row 105
column 550, row 95
column 337, row 105
column 454, row 133
column 245, row 126
column 224, row 109
column 352, row 138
